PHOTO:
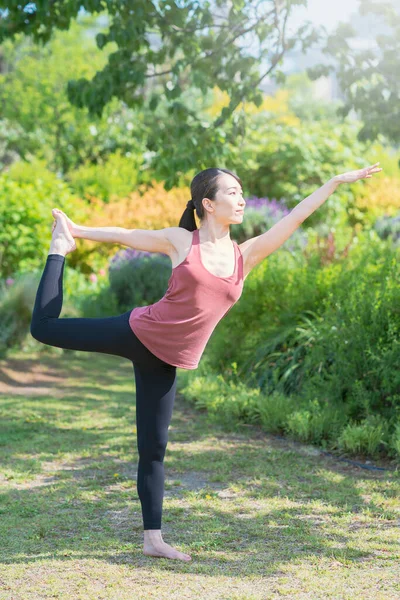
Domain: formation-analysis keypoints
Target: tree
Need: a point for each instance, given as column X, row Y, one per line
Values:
column 34, row 101
column 369, row 77
column 164, row 50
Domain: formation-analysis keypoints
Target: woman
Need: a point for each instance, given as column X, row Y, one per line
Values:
column 207, row 280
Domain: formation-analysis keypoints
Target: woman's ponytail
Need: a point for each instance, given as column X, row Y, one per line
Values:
column 187, row 219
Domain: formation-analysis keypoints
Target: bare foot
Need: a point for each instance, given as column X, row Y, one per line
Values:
column 157, row 547
column 62, row 241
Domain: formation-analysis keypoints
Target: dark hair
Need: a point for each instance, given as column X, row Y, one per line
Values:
column 203, row 185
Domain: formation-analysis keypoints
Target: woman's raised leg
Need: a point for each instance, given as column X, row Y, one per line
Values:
column 109, row 335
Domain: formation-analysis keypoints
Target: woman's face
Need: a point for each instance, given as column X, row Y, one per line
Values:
column 229, row 203
column 230, row 198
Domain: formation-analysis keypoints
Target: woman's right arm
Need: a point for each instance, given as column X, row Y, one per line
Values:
column 99, row 234
column 152, row 240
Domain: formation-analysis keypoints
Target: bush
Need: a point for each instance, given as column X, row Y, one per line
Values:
column 28, row 192
column 289, row 162
column 148, row 207
column 10, row 135
column 355, row 351
column 108, row 180
column 88, row 295
column 323, row 330
column 16, row 302
column 389, row 228
column 370, row 437
column 381, row 197
column 138, row 278
column 83, row 296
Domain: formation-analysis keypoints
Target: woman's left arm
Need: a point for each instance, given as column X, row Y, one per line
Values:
column 314, row 201
column 257, row 248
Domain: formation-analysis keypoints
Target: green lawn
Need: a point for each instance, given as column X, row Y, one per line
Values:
column 262, row 517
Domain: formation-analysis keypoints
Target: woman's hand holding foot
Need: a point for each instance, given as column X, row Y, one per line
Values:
column 73, row 227
column 62, row 241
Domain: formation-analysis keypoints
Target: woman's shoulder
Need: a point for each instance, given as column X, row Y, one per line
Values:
column 181, row 240
column 179, row 236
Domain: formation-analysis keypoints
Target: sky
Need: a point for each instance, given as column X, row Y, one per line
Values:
column 325, row 12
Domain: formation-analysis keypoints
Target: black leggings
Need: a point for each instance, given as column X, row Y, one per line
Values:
column 155, row 379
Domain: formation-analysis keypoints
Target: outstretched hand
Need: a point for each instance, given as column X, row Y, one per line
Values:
column 353, row 176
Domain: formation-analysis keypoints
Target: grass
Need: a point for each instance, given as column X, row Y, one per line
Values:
column 262, row 517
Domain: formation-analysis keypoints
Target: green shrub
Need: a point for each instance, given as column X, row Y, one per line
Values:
column 10, row 136
column 394, row 441
column 88, row 295
column 110, row 179
column 228, row 402
column 289, row 162
column 316, row 421
column 83, row 296
column 323, row 332
column 16, row 302
column 273, row 410
column 28, row 192
column 369, row 437
column 138, row 278
column 355, row 358
column 389, row 227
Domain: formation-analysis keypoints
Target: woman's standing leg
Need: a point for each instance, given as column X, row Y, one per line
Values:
column 155, row 395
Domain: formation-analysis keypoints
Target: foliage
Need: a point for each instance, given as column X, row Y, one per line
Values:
column 306, row 105
column 87, row 295
column 389, row 227
column 370, row 436
column 10, row 135
column 323, row 329
column 164, row 50
column 368, row 76
column 138, row 278
column 380, row 198
column 289, row 163
column 16, row 302
column 33, row 97
column 148, row 207
column 232, row 402
column 107, row 179
column 356, row 351
column 276, row 105
column 28, row 192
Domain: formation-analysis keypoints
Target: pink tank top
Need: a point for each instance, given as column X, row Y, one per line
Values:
column 177, row 328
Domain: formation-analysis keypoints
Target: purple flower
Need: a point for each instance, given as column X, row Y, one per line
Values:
column 126, row 255
column 9, row 281
column 274, row 208
column 93, row 277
